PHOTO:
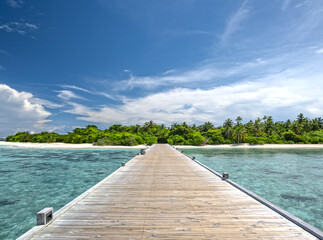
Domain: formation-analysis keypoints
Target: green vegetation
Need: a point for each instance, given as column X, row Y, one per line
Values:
column 260, row 131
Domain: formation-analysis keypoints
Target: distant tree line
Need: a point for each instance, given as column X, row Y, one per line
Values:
column 260, row 131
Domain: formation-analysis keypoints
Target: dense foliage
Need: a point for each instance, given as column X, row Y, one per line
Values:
column 260, row 131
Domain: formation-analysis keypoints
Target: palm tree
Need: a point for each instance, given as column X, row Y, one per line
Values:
column 297, row 128
column 288, row 124
column 280, row 127
column 269, row 125
column 238, row 120
column 149, row 125
column 249, row 126
column 135, row 128
column 316, row 124
column 257, row 127
column 240, row 133
column 228, row 130
column 162, row 133
column 300, row 118
column 184, row 124
column 306, row 125
column 228, row 123
column 207, row 126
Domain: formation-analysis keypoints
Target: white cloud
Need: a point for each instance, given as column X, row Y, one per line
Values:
column 5, row 53
column 282, row 85
column 306, row 23
column 88, row 91
column 15, row 3
column 206, row 73
column 46, row 103
column 21, row 28
column 20, row 111
column 300, row 61
column 319, row 51
column 105, row 95
column 75, row 88
column 67, row 95
column 234, row 21
column 279, row 97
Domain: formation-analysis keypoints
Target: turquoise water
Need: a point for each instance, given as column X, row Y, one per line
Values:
column 32, row 179
column 291, row 179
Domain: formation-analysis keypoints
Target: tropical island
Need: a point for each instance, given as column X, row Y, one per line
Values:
column 260, row 131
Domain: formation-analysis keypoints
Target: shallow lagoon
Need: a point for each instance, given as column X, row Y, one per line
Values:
column 290, row 178
column 32, row 179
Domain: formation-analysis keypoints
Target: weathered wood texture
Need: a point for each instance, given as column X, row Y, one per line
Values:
column 165, row 195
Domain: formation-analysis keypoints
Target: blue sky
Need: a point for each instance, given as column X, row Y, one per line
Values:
column 67, row 64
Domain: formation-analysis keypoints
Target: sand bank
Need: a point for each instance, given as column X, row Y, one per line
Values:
column 90, row 146
column 66, row 145
column 246, row 145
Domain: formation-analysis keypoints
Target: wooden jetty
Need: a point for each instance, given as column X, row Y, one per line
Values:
column 166, row 195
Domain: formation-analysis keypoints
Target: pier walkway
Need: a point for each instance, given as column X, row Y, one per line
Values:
column 165, row 195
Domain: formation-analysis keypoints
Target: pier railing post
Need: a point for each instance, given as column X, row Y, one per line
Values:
column 225, row 175
column 45, row 216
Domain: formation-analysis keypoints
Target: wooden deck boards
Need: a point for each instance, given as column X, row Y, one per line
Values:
column 165, row 195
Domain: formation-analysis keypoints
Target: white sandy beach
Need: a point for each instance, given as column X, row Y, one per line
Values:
column 66, row 145
column 90, row 146
column 246, row 145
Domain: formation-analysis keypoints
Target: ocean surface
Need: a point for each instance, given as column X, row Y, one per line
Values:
column 289, row 178
column 32, row 179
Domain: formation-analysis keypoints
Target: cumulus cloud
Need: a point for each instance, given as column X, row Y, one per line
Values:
column 280, row 85
column 20, row 111
column 280, row 98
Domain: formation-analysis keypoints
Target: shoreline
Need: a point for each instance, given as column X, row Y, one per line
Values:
column 90, row 146
column 65, row 145
column 248, row 146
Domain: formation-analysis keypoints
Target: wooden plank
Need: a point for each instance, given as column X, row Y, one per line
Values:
column 165, row 195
